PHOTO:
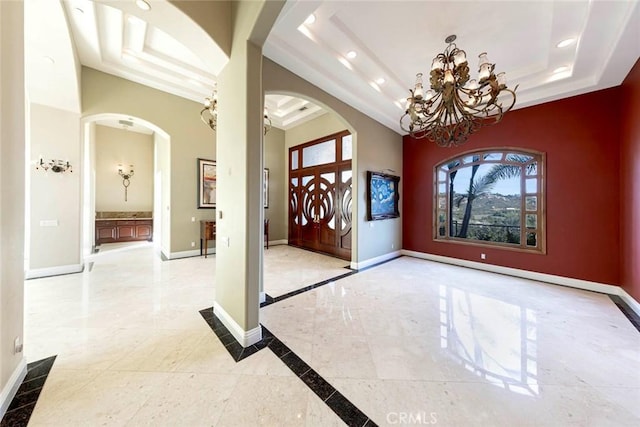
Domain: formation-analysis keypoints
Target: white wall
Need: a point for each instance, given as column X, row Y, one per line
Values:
column 12, row 199
column 162, row 190
column 115, row 147
column 54, row 197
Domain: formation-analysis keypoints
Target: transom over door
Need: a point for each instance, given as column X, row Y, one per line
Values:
column 320, row 195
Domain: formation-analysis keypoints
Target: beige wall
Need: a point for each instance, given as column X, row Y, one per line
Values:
column 121, row 147
column 274, row 146
column 376, row 148
column 12, row 190
column 190, row 139
column 239, row 161
column 313, row 129
column 54, row 134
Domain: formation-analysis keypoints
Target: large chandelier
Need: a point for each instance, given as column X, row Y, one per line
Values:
column 209, row 114
column 455, row 106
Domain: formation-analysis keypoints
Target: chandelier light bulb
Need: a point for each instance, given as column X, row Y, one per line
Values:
column 418, row 91
column 502, row 79
column 482, row 59
column 459, row 58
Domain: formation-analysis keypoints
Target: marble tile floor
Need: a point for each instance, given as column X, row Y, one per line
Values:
column 133, row 349
column 287, row 268
column 407, row 342
column 418, row 342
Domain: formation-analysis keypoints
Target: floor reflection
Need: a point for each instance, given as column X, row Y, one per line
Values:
column 494, row 339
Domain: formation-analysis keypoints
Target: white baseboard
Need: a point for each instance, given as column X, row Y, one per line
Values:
column 53, row 271
column 532, row 275
column 188, row 254
column 631, row 302
column 278, row 242
column 11, row 387
column 372, row 261
column 244, row 338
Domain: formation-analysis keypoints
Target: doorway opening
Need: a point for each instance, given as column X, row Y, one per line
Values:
column 156, row 228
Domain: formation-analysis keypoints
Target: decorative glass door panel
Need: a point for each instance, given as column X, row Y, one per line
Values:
column 309, row 210
column 326, row 208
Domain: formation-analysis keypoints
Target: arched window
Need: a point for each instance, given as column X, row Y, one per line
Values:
column 491, row 197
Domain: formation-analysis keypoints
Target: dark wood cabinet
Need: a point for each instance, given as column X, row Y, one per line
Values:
column 144, row 231
column 128, row 230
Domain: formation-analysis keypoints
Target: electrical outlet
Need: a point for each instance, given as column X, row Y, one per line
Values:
column 193, row 244
column 483, row 256
column 17, row 346
column 193, row 219
column 393, row 246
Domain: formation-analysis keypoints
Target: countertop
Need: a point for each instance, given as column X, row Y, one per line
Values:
column 122, row 219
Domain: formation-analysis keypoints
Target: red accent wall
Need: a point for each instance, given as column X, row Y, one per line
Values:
column 580, row 136
column 630, row 184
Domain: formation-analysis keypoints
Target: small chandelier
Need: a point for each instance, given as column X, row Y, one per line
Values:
column 57, row 166
column 209, row 114
column 455, row 106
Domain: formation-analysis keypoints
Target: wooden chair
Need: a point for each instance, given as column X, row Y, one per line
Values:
column 266, row 232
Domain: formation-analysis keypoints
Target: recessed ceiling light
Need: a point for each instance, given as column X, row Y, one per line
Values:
column 567, row 42
column 142, row 4
column 351, row 54
column 49, row 60
column 78, row 10
column 380, row 81
column 310, row 19
column 560, row 69
column 346, row 63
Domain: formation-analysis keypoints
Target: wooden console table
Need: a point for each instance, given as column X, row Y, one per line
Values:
column 207, row 232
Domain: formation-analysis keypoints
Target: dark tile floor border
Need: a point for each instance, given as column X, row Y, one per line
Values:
column 234, row 348
column 335, row 400
column 626, row 310
column 23, row 403
column 272, row 300
column 339, row 404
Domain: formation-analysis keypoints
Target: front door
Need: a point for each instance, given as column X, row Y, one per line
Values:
column 320, row 195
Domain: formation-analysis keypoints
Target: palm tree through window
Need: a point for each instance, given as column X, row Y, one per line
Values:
column 492, row 197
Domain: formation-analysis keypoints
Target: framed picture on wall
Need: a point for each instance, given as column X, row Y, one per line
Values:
column 265, row 188
column 207, row 176
column 382, row 196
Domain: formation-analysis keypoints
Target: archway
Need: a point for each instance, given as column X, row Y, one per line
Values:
column 315, row 127
column 161, row 179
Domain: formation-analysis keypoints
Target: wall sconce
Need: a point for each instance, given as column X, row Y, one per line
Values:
column 57, row 166
column 126, row 177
